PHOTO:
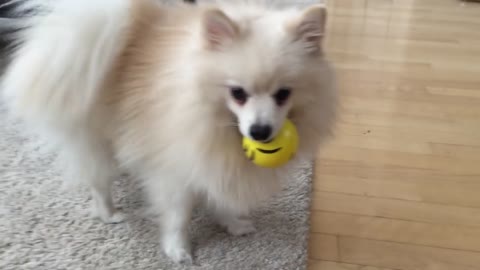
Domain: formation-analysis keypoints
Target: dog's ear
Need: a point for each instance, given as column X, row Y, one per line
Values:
column 219, row 30
column 309, row 28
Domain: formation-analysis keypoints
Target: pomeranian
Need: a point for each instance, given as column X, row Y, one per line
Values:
column 166, row 92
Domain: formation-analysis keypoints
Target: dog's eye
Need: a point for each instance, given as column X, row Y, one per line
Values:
column 282, row 95
column 239, row 94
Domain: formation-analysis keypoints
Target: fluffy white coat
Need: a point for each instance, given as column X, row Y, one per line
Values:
column 145, row 87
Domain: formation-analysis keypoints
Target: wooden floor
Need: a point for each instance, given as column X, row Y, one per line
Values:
column 399, row 185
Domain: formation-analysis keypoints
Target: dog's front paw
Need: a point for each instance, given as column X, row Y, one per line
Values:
column 240, row 227
column 179, row 255
column 117, row 216
column 177, row 252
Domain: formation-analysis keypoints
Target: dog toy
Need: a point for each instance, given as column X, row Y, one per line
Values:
column 276, row 152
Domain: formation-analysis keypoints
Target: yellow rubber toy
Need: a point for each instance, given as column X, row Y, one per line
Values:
column 276, row 152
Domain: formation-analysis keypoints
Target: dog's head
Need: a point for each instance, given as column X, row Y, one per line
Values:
column 263, row 64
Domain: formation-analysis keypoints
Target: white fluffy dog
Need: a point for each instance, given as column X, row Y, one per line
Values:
column 166, row 93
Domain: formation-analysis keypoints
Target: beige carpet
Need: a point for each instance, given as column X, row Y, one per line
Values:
column 43, row 226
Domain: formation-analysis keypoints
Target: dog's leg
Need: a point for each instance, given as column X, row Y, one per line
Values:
column 175, row 240
column 235, row 223
column 93, row 164
column 175, row 204
column 103, row 206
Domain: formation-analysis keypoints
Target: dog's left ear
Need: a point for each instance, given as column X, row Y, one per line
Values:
column 309, row 29
column 219, row 29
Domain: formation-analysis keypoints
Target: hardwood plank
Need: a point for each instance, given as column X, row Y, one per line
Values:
column 410, row 188
column 396, row 209
column 328, row 265
column 405, row 256
column 431, row 93
column 455, row 150
column 404, row 121
column 323, row 247
column 375, row 143
column 400, row 231
column 395, row 158
column 353, row 169
column 413, row 135
column 422, row 108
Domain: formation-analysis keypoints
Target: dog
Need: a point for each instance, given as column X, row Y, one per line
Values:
column 166, row 93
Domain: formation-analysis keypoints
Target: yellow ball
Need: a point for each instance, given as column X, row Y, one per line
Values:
column 274, row 153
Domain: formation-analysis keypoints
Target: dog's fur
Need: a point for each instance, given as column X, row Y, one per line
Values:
column 145, row 87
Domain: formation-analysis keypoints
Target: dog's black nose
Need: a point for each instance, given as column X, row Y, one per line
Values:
column 260, row 132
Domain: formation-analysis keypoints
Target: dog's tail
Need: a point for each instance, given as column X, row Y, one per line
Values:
column 10, row 18
column 60, row 53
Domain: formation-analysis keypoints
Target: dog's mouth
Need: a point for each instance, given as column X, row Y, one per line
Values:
column 273, row 151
